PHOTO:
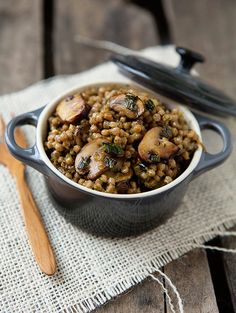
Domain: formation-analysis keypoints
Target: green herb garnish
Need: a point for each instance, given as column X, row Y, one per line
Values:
column 166, row 132
column 154, row 158
column 149, row 105
column 109, row 162
column 113, row 148
column 131, row 102
column 84, row 163
column 142, row 167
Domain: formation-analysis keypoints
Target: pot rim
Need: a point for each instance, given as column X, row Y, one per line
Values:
column 42, row 130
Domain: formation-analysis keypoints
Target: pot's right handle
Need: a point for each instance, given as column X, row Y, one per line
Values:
column 208, row 160
column 29, row 156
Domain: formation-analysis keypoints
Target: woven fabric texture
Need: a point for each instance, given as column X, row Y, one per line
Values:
column 93, row 270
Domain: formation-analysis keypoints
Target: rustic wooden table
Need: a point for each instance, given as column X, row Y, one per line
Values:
column 37, row 41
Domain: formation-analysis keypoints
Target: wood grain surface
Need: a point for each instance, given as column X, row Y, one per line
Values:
column 21, row 44
column 229, row 261
column 21, row 64
column 34, row 226
column 208, row 28
column 145, row 298
column 191, row 276
column 113, row 20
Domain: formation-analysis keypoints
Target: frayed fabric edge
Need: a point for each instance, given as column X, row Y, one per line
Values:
column 100, row 299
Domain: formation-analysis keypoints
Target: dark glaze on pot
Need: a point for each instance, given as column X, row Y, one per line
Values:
column 114, row 217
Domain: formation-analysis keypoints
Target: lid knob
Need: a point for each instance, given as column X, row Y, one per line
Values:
column 188, row 59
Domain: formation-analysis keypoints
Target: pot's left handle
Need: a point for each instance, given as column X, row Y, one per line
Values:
column 29, row 156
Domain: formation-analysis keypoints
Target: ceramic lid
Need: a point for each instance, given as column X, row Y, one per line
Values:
column 177, row 83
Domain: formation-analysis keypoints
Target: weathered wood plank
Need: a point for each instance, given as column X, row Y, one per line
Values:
column 191, row 276
column 210, row 28
column 146, row 298
column 20, row 48
column 229, row 265
column 113, row 20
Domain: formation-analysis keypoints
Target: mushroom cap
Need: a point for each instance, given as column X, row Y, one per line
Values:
column 93, row 152
column 93, row 161
column 153, row 144
column 121, row 179
column 72, row 108
column 118, row 176
column 128, row 105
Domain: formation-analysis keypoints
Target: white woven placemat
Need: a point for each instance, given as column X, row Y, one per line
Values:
column 93, row 270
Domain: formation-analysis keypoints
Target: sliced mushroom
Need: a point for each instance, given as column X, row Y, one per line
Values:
column 119, row 177
column 114, row 164
column 93, row 157
column 97, row 167
column 122, row 180
column 153, row 146
column 87, row 160
column 72, row 108
column 78, row 133
column 85, row 154
column 82, row 165
column 128, row 105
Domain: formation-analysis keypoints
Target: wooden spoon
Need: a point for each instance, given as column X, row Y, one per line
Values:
column 34, row 226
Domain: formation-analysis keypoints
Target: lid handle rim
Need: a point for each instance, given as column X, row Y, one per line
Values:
column 188, row 58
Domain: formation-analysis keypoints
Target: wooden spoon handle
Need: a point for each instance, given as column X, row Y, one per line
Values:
column 37, row 235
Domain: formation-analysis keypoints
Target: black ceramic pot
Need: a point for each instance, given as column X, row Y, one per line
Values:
column 115, row 215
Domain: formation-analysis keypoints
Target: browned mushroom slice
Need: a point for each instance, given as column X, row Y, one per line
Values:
column 152, row 147
column 91, row 159
column 97, row 165
column 114, row 164
column 128, row 105
column 82, row 164
column 84, row 157
column 119, row 177
column 122, row 180
column 72, row 108
column 102, row 162
column 80, row 133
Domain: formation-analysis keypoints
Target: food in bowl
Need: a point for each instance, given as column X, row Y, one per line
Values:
column 119, row 139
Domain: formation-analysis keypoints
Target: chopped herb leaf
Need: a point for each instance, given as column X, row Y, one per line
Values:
column 138, row 168
column 84, row 162
column 109, row 162
column 113, row 148
column 149, row 105
column 166, row 132
column 131, row 102
column 154, row 158
column 142, row 167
